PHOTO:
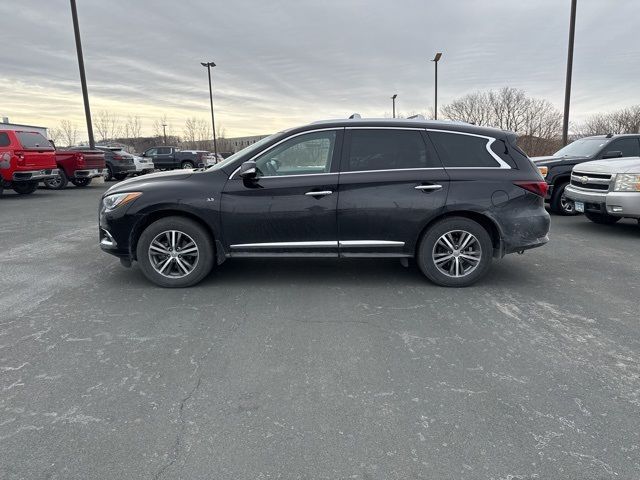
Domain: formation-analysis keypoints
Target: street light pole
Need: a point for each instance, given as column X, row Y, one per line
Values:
column 83, row 78
column 567, row 89
column 435, row 60
column 393, row 100
column 164, row 131
column 213, row 122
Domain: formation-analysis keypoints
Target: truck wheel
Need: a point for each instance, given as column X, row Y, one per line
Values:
column 108, row 174
column 81, row 182
column 175, row 252
column 560, row 204
column 120, row 176
column 25, row 188
column 187, row 165
column 57, row 183
column 601, row 218
column 455, row 252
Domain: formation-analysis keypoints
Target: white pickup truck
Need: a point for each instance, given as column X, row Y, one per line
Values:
column 606, row 190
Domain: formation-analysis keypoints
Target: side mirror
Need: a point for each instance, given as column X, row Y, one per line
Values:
column 612, row 154
column 143, row 154
column 248, row 170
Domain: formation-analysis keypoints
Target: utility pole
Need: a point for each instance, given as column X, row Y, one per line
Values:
column 393, row 100
column 213, row 122
column 435, row 60
column 567, row 88
column 83, row 78
column 164, row 131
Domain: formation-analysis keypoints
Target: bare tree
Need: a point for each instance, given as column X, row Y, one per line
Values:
column 69, row 133
column 626, row 120
column 55, row 135
column 107, row 125
column 134, row 126
column 537, row 121
column 196, row 133
column 159, row 130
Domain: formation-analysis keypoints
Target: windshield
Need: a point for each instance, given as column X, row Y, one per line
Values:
column 251, row 148
column 584, row 147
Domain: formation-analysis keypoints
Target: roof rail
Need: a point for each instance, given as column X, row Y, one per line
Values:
column 416, row 117
column 355, row 115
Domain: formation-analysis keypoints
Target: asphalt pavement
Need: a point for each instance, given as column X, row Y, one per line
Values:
column 314, row 369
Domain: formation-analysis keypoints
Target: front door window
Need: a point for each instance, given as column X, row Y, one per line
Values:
column 310, row 153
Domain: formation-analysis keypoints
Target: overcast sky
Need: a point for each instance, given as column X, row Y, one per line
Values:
column 283, row 63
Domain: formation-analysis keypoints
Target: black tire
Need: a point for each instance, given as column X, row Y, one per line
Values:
column 559, row 203
column 431, row 246
column 81, row 182
column 201, row 265
column 120, row 176
column 25, row 188
column 108, row 176
column 601, row 218
column 187, row 164
column 57, row 183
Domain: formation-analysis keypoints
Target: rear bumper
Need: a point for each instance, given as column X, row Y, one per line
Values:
column 87, row 173
column 34, row 175
column 116, row 169
column 618, row 204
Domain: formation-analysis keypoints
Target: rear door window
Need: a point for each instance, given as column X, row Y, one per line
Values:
column 33, row 140
column 389, row 149
column 628, row 146
column 460, row 150
column 5, row 141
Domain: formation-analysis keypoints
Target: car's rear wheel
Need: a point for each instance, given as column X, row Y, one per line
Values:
column 601, row 218
column 81, row 182
column 455, row 252
column 187, row 165
column 108, row 174
column 25, row 188
column 58, row 182
column 120, row 176
column 175, row 252
column 560, row 204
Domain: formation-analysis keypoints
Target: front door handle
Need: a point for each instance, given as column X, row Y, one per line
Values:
column 428, row 187
column 320, row 193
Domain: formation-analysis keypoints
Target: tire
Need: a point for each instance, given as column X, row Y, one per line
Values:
column 120, row 176
column 560, row 204
column 601, row 218
column 154, row 261
column 25, row 188
column 452, row 230
column 187, row 164
column 57, row 183
column 108, row 175
column 81, row 182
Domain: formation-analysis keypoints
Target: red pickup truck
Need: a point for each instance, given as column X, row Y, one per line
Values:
column 26, row 158
column 76, row 166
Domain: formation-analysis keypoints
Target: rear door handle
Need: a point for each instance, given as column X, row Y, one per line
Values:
column 320, row 193
column 428, row 187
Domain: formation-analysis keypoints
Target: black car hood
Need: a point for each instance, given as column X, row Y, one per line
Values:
column 551, row 160
column 145, row 180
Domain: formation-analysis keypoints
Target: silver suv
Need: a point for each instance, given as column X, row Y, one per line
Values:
column 606, row 190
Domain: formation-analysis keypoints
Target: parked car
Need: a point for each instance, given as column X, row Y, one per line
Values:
column 76, row 166
column 26, row 158
column 169, row 158
column 557, row 168
column 119, row 163
column 606, row 190
column 143, row 165
column 452, row 196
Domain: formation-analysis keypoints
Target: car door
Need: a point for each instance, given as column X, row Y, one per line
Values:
column 391, row 183
column 151, row 154
column 290, row 207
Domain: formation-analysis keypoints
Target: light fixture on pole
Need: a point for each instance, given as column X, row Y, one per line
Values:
column 213, row 122
column 393, row 100
column 435, row 61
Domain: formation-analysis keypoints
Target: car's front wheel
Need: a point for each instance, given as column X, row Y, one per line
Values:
column 455, row 252
column 58, row 182
column 175, row 252
column 601, row 218
column 560, row 204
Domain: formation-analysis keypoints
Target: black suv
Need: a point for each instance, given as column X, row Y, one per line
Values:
column 450, row 195
column 118, row 162
column 557, row 168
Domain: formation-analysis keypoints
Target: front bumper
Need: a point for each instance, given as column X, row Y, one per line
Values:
column 34, row 175
column 617, row 204
column 87, row 173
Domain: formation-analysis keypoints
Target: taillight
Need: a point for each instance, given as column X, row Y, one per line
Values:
column 117, row 157
column 81, row 160
column 539, row 188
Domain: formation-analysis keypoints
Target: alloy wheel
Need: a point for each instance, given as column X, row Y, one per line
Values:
column 173, row 254
column 567, row 205
column 457, row 253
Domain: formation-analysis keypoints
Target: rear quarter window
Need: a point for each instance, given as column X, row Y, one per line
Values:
column 461, row 150
column 5, row 141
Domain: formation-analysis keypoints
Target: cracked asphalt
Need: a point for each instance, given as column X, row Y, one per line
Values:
column 314, row 369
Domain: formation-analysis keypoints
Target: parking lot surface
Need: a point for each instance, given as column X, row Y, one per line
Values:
column 314, row 369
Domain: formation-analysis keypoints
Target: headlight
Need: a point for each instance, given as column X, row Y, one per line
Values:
column 543, row 171
column 627, row 182
column 116, row 200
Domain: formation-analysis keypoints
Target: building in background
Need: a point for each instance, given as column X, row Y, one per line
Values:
column 236, row 144
column 5, row 125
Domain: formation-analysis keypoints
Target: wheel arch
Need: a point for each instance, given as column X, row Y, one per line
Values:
column 484, row 220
